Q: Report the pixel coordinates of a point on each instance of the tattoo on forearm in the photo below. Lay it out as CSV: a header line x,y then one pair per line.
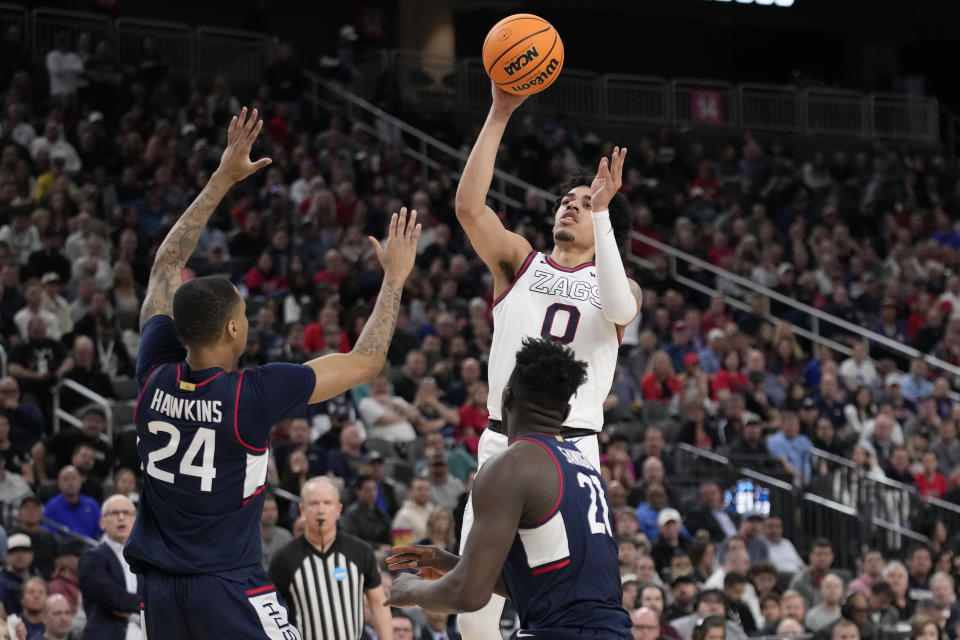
x,y
175,250
375,339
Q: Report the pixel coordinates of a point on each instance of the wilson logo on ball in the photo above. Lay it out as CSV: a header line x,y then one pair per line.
x,y
522,60
540,78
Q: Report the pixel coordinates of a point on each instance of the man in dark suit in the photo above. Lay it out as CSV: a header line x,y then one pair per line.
x,y
711,516
438,627
110,590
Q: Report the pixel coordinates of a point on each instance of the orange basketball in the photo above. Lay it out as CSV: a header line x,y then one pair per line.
x,y
523,54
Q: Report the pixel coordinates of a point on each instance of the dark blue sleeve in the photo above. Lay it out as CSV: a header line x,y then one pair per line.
x,y
159,343
272,393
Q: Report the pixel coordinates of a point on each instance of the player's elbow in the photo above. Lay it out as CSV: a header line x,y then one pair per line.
x,y
466,207
367,366
620,314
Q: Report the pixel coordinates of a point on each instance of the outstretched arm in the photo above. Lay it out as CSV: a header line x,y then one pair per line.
x,y
178,246
501,250
620,297
338,372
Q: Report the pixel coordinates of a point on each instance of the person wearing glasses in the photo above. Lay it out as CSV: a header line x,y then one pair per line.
x,y
111,592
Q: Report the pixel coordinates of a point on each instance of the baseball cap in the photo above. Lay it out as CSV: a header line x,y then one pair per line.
x,y
892,379
19,541
50,276
95,116
348,32
784,267
690,358
374,456
715,333
679,325
667,515
808,403
751,418
685,579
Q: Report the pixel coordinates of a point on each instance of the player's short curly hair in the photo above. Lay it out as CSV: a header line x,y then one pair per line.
x,y
621,213
548,370
202,307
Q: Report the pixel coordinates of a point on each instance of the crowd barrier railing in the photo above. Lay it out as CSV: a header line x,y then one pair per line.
x,y
432,153
636,99
818,319
240,56
60,415
173,40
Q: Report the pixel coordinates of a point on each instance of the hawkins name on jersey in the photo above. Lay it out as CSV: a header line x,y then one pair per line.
x,y
184,409
558,303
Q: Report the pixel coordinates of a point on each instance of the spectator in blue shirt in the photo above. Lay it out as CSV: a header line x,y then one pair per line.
x,y
655,500
713,354
915,385
680,344
791,447
72,509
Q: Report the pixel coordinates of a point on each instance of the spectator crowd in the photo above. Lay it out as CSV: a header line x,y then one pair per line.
x,y
99,156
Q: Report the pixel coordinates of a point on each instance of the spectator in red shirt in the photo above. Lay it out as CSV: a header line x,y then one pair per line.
x,y
719,249
705,180
729,379
931,482
661,383
473,417
262,279
334,270
716,316
326,334
645,227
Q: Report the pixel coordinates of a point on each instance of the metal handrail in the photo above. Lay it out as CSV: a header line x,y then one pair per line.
x,y
146,23
67,531
430,162
888,482
421,135
830,504
762,477
829,457
819,315
94,397
3,361
903,531
286,495
702,453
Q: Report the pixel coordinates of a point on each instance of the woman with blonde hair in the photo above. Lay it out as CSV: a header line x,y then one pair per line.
x,y
440,530
437,415
661,383
125,295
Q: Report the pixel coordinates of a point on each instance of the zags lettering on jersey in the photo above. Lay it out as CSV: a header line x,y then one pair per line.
x,y
553,284
183,409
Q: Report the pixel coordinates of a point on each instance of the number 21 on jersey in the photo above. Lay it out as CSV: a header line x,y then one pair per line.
x,y
202,446
595,485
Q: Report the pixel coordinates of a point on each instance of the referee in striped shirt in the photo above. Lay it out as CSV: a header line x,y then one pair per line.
x,y
323,574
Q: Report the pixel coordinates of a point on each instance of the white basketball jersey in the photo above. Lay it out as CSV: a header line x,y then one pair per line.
x,y
549,301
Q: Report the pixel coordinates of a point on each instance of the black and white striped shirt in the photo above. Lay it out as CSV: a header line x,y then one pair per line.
x,y
324,591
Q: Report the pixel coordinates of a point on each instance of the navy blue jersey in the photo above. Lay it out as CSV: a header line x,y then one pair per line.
x,y
563,571
202,438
